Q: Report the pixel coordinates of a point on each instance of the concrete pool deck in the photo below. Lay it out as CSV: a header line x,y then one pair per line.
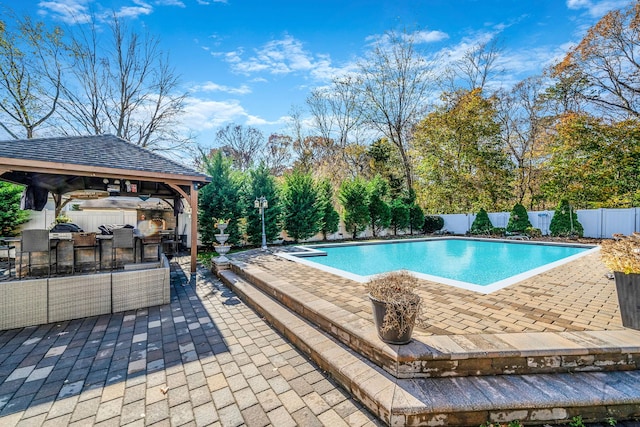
x,y
542,350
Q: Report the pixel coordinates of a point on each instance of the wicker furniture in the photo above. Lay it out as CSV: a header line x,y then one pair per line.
x,y
123,238
35,241
83,242
5,248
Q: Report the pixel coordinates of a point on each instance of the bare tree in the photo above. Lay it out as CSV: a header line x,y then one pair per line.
x,y
395,87
128,89
30,74
277,156
522,113
478,65
606,65
243,144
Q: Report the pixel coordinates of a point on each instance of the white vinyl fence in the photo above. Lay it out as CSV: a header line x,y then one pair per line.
x,y
597,223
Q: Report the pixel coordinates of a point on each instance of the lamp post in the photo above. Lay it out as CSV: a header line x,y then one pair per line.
x,y
261,203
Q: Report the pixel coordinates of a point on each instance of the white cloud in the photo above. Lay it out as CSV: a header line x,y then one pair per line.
x,y
597,8
279,57
68,11
214,87
141,8
178,3
429,36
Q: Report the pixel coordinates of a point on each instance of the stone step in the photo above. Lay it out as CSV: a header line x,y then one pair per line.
x,y
432,356
458,401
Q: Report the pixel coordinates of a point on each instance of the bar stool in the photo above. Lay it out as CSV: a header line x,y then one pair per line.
x,y
83,242
35,241
123,238
7,247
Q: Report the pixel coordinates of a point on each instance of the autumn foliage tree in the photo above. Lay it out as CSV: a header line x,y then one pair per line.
x,y
461,160
606,63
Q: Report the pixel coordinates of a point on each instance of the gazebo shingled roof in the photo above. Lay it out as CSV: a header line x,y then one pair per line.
x,y
65,164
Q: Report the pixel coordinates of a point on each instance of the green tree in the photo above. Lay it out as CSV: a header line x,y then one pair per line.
x,y
261,183
220,199
355,201
301,213
460,155
518,220
385,161
400,219
11,216
416,218
379,212
594,164
329,217
481,224
565,221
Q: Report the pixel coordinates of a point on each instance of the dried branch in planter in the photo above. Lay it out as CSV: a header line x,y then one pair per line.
x,y
622,253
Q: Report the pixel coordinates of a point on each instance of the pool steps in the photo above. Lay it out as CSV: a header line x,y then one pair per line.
x,y
454,380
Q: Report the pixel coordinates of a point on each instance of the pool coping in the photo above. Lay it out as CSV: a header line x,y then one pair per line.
x,y
310,251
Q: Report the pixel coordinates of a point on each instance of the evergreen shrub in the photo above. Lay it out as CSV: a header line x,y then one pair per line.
x,y
433,223
518,220
565,221
481,224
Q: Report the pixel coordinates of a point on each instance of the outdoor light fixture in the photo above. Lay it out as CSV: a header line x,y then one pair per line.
x,y
262,203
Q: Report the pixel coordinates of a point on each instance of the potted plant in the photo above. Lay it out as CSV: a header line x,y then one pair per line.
x,y
395,305
622,255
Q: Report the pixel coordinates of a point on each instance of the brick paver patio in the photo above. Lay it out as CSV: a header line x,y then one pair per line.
x,y
204,359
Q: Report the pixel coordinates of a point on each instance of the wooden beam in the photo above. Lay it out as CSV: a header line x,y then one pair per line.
x,y
194,226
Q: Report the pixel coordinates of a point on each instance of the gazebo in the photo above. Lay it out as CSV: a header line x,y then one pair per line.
x,y
101,163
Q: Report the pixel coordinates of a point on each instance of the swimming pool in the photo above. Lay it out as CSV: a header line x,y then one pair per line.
x,y
482,265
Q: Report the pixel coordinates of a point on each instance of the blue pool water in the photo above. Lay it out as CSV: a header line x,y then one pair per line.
x,y
477,262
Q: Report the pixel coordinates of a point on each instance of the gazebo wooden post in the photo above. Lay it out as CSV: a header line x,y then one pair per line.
x,y
194,225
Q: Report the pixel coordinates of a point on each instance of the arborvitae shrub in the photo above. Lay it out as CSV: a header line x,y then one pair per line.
x,y
565,221
433,223
482,224
518,220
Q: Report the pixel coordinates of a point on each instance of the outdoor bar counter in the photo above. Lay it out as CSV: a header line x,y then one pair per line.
x,y
40,297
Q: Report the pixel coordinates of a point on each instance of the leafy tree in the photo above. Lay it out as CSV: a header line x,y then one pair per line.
x,y
379,212
219,199
384,161
301,213
518,220
565,221
329,217
460,155
261,183
11,216
416,218
594,163
400,219
354,198
481,224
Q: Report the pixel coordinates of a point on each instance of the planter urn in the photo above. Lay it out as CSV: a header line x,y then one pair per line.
x,y
392,335
628,288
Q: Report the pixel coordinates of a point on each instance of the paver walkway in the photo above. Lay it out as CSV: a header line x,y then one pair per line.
x,y
204,359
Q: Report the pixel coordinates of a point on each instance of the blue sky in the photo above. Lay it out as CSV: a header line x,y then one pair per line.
x,y
248,62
